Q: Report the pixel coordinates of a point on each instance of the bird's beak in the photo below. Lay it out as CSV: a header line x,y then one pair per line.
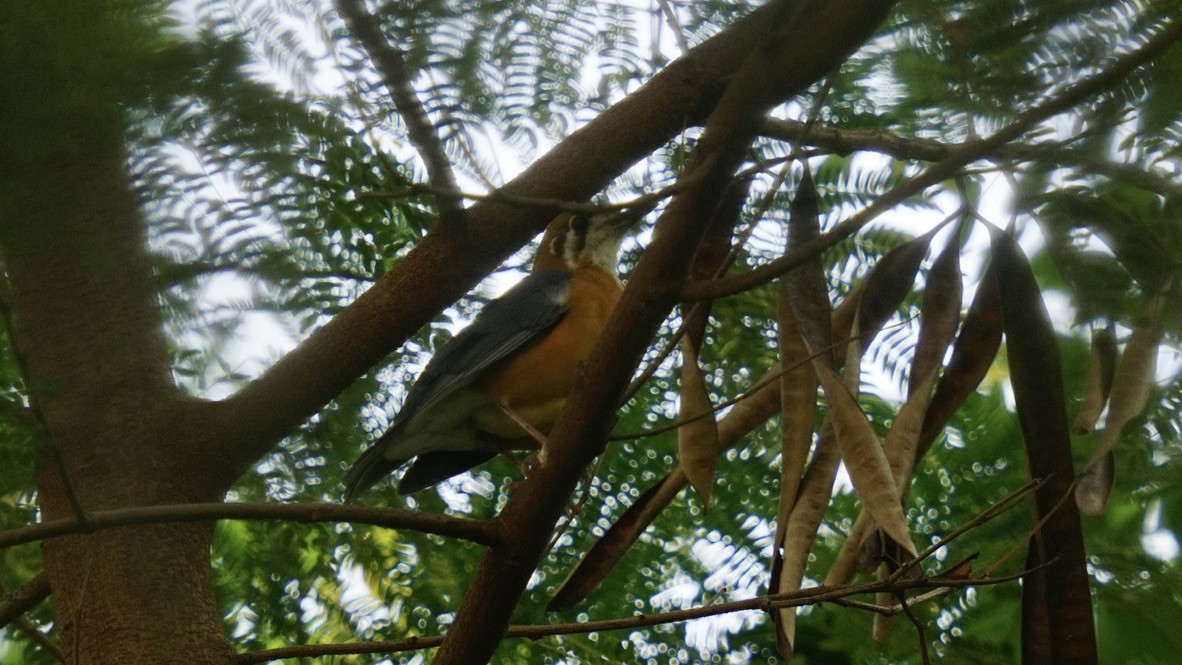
x,y
627,218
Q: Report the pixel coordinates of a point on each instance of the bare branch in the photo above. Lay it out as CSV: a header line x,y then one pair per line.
x,y
41,426
500,196
767,378
981,518
919,629
24,599
1035,529
391,65
938,584
475,531
696,312
843,142
958,157
798,598
180,273
674,25
31,631
80,514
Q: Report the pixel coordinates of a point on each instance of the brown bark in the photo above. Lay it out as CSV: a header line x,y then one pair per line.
x,y
29,595
88,330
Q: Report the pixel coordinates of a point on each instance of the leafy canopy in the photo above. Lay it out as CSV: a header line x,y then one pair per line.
x,y
259,133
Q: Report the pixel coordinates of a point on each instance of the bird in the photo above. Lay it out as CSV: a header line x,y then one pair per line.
x,y
501,382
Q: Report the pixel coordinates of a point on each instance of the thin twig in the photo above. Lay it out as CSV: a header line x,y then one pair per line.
x,y
651,368
30,630
809,596
732,256
391,64
525,425
173,275
863,605
1034,528
983,517
471,530
962,155
84,519
794,154
919,629
353,94
845,141
576,507
581,207
674,25
759,385
461,141
34,403
938,592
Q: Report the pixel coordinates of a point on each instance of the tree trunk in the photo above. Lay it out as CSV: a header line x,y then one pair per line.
x,y
87,328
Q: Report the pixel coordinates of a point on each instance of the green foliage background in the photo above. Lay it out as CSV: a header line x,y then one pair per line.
x,y
254,129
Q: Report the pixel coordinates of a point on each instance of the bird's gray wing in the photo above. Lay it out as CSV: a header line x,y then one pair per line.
x,y
509,323
520,316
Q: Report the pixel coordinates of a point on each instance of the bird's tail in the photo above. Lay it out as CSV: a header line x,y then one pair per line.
x,y
431,468
371,467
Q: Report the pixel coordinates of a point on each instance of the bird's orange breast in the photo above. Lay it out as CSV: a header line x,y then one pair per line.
x,y
536,382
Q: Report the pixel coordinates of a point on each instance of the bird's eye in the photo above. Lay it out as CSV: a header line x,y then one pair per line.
x,y
579,224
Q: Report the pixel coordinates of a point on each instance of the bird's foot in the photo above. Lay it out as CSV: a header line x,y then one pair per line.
x,y
530,431
522,466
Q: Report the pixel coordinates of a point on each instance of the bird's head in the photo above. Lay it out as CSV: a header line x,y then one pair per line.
x,y
575,240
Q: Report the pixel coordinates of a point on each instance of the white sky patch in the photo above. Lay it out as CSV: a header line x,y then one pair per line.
x,y
1158,542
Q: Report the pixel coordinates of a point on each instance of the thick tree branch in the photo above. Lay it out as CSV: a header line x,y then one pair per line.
x,y
24,599
805,41
475,531
945,168
446,264
173,275
843,142
391,65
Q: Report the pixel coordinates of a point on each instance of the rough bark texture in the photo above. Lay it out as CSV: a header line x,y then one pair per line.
x,y
88,329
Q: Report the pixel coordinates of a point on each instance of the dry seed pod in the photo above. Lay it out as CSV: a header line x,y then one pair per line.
x,y
1101,368
697,440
